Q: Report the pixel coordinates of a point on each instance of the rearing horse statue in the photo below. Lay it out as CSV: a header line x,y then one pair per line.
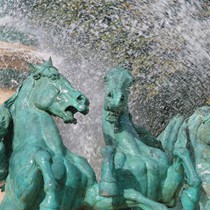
x,y
43,173
135,160
192,132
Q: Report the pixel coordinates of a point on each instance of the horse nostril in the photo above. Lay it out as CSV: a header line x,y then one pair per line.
x,y
80,98
109,95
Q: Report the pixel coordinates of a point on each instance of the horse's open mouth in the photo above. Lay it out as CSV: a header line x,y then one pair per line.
x,y
72,109
112,116
69,114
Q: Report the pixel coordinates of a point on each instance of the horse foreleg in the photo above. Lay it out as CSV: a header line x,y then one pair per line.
x,y
108,185
43,160
173,183
141,201
190,196
130,199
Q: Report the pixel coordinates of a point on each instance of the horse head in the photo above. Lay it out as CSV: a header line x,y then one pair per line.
x,y
53,93
117,83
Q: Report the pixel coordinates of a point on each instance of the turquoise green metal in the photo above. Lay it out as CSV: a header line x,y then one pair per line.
x,y
194,133
138,172
133,159
5,119
41,173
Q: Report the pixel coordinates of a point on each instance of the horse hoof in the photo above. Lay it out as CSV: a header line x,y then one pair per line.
x,y
48,208
58,169
49,204
45,207
163,207
107,189
190,198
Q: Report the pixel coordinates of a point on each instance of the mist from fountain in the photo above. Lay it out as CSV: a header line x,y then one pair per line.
x,y
171,77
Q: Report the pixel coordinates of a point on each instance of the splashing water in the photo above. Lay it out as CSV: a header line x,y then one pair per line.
x,y
85,138
171,67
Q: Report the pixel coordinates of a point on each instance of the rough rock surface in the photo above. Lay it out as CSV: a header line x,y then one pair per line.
x,y
165,43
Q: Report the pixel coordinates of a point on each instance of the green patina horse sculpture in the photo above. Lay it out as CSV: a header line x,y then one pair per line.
x,y
41,173
194,133
133,159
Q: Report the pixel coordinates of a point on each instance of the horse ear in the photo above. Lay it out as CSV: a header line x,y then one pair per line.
x,y
50,61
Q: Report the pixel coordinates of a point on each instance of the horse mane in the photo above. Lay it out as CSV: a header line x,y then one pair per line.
x,y
6,152
9,102
6,141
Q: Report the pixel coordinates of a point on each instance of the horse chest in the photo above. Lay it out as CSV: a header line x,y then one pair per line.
x,y
124,141
142,166
139,173
144,171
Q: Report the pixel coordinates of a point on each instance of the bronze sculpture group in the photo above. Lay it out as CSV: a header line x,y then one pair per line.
x,y
139,172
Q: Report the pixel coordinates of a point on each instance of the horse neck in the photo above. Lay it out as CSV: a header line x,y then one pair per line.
x,y
30,122
22,105
23,93
122,134
123,123
123,116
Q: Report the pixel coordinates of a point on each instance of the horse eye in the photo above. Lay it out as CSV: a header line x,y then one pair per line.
x,y
54,76
37,76
109,94
105,79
